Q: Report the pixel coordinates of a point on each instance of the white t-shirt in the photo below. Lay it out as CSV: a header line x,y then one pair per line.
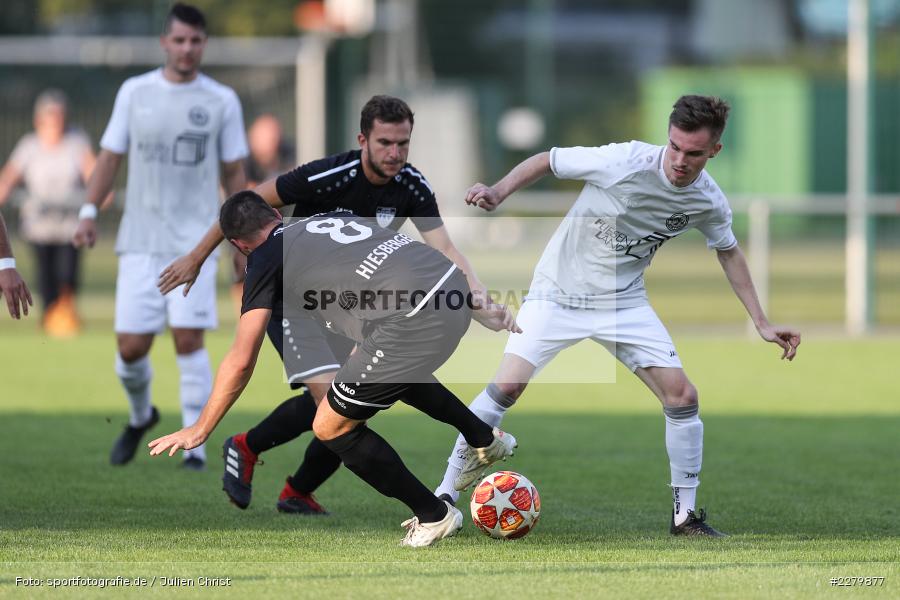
x,y
53,178
625,212
175,134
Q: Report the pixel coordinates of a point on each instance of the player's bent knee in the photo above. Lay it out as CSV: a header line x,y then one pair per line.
x,y
131,349
510,389
685,395
328,424
187,341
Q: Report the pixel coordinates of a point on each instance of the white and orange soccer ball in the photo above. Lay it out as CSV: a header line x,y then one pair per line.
x,y
505,505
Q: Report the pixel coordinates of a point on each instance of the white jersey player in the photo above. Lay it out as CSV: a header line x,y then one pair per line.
x,y
184,134
589,282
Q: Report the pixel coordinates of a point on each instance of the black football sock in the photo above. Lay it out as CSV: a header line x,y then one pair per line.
x,y
373,460
319,463
291,418
441,404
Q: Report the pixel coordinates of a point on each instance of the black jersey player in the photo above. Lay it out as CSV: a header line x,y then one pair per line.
x,y
405,305
373,181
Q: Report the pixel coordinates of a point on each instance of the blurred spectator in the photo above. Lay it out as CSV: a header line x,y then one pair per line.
x,y
52,164
270,155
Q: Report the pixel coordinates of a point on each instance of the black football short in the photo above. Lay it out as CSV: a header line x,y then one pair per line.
x,y
398,352
306,347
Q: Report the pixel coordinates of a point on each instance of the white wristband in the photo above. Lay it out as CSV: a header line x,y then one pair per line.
x,y
88,211
7,263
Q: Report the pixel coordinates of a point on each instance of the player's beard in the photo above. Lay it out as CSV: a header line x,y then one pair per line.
x,y
375,168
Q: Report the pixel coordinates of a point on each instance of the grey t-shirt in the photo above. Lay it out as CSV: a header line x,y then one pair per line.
x,y
54,185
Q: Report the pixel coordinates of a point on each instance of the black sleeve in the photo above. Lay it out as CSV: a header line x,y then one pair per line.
x,y
262,287
425,214
295,187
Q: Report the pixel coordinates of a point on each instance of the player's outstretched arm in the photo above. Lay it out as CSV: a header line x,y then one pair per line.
x,y
185,269
12,286
231,379
738,273
99,187
439,239
522,175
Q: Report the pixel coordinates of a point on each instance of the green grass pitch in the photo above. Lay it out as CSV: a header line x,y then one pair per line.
x,y
801,467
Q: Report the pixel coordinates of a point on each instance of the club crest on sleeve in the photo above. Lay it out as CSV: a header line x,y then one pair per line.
x,y
677,222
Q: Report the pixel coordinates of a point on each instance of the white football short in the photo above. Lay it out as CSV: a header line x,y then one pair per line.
x,y
635,336
141,308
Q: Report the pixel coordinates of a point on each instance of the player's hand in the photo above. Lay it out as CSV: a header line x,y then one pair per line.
x,y
483,196
187,438
497,317
480,297
785,337
183,269
17,295
85,234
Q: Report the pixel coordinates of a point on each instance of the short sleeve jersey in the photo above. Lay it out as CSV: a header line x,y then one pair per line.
x,y
54,183
346,271
626,211
337,183
175,136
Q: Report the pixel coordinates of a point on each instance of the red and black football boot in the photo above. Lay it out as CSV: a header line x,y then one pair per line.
x,y
294,502
239,464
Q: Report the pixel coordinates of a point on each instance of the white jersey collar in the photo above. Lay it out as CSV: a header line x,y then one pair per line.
x,y
181,86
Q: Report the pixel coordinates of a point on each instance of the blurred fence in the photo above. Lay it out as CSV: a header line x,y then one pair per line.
x,y
805,273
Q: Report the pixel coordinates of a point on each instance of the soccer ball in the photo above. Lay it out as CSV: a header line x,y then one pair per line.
x,y
505,505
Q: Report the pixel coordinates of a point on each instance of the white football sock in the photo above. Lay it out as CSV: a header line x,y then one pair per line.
x,y
195,385
489,406
135,377
684,443
685,499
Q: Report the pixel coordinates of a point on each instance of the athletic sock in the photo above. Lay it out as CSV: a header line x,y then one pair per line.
x,y
195,387
489,406
135,377
289,419
685,499
441,404
319,463
373,460
684,443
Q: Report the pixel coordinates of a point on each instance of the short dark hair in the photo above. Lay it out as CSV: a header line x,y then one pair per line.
x,y
243,214
386,109
187,14
692,113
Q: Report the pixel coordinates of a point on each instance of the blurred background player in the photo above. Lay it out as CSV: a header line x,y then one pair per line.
x,y
52,163
270,155
400,343
183,133
589,282
12,286
374,181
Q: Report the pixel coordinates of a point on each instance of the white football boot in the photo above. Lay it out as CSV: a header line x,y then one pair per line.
x,y
479,459
425,534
